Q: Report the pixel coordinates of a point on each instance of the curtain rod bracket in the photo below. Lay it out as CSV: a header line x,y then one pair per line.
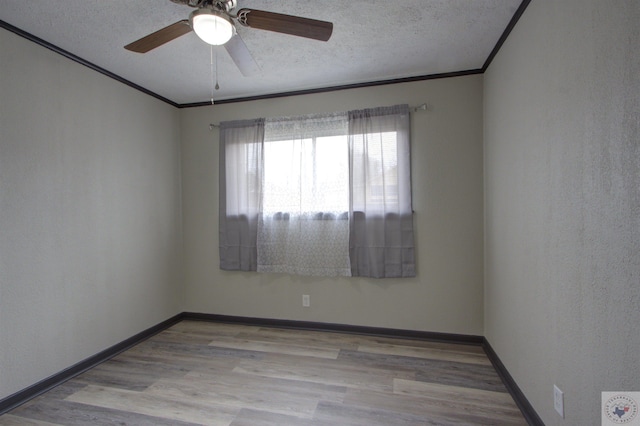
x,y
422,107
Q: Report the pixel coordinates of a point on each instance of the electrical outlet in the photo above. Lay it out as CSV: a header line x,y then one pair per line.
x,y
558,400
306,301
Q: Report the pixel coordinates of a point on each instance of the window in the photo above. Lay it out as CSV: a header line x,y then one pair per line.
x,y
306,168
318,195
320,165
381,152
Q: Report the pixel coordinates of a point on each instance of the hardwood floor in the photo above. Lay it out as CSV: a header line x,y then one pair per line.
x,y
203,373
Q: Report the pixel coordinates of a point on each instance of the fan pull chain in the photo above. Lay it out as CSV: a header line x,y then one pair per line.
x,y
216,86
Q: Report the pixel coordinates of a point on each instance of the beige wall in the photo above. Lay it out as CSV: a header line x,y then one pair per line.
x,y
446,296
91,221
90,225
562,179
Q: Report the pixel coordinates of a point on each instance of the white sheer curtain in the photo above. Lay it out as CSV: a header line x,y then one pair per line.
x,y
381,229
240,197
303,227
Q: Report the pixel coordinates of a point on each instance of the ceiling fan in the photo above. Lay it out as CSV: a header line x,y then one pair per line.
x,y
213,22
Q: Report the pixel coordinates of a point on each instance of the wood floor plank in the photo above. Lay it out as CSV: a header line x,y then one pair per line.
x,y
280,348
126,373
252,417
11,420
332,414
191,411
475,397
287,397
183,361
266,385
427,344
430,370
195,351
199,332
236,397
312,338
211,328
170,336
456,411
429,353
75,414
328,372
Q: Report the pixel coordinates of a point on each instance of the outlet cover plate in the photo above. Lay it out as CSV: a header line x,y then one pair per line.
x,y
558,400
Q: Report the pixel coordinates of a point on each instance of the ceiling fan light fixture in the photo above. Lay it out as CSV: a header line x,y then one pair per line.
x,y
211,26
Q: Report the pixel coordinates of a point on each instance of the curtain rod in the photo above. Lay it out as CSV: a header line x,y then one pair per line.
x,y
421,107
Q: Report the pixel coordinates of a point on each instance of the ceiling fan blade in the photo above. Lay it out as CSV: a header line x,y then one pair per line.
x,y
241,56
160,37
286,24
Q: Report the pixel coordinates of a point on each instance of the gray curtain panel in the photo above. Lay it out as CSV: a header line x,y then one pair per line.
x,y
240,175
381,243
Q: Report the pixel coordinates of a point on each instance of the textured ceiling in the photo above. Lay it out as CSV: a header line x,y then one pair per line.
x,y
373,40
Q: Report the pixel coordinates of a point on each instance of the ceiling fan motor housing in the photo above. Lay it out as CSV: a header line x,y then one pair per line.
x,y
191,3
224,5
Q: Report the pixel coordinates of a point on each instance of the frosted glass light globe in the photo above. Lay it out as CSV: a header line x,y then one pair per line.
x,y
211,26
